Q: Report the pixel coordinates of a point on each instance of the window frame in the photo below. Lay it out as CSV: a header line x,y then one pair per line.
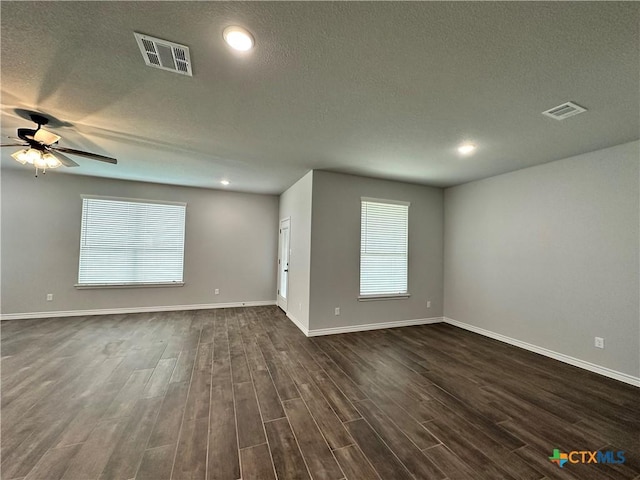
x,y
89,286
382,296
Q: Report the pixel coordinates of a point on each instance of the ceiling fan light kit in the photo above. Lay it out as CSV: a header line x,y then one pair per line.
x,y
36,158
41,161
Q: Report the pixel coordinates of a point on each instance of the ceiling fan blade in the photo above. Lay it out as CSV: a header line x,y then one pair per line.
x,y
93,156
14,145
64,160
45,137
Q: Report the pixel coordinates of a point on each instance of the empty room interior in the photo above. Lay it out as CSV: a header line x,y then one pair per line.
x,y
320,240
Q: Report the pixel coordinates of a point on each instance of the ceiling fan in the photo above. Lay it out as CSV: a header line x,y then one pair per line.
x,y
42,149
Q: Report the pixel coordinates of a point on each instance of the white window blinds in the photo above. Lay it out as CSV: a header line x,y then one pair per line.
x,y
383,247
131,242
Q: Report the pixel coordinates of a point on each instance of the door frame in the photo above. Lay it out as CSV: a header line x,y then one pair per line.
x,y
282,301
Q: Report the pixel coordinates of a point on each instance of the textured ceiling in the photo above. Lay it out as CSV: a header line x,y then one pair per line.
x,y
378,89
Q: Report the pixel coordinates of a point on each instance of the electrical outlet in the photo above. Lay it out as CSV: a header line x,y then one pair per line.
x,y
599,342
428,303
217,291
337,311
49,297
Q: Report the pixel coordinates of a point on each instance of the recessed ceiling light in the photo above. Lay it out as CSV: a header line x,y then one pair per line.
x,y
224,182
466,148
238,38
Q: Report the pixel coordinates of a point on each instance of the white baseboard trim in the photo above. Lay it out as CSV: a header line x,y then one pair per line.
x,y
372,326
116,311
298,324
576,362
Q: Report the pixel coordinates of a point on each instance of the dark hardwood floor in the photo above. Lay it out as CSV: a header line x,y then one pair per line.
x,y
241,393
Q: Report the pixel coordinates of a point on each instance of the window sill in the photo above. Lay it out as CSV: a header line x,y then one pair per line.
x,y
85,286
395,296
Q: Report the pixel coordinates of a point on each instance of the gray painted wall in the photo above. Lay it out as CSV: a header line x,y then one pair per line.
x,y
549,255
230,244
335,251
295,203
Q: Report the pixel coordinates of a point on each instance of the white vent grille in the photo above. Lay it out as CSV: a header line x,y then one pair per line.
x,y
165,55
566,110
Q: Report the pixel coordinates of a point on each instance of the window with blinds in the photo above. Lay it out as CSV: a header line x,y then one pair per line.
x,y
384,247
131,242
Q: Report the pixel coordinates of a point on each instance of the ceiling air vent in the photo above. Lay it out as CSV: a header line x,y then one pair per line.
x,y
165,55
566,110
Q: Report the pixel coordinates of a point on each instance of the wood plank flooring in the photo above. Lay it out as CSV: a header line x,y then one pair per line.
x,y
241,393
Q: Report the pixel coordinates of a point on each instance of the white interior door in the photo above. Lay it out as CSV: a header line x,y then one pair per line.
x,y
284,250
